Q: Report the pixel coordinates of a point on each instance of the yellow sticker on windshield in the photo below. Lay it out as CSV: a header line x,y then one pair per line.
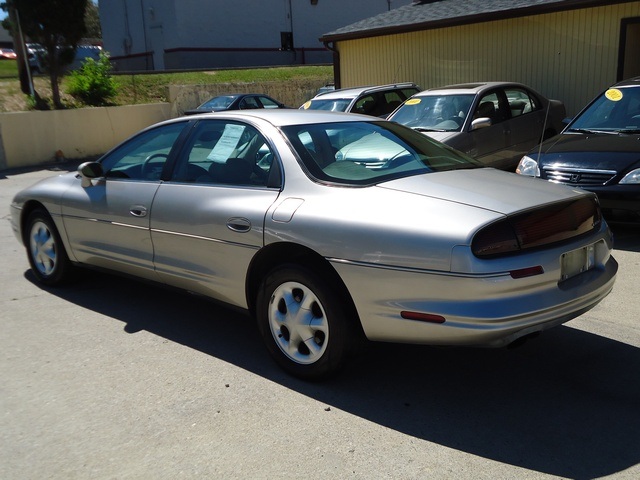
x,y
613,94
412,101
306,105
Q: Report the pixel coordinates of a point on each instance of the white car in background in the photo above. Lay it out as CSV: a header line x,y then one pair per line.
x,y
37,57
377,101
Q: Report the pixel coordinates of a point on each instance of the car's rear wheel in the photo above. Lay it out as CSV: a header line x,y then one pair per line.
x,y
304,322
47,256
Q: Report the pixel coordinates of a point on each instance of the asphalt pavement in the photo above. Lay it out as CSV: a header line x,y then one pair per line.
x,y
111,378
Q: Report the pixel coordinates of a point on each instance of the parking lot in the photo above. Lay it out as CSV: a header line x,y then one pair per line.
x,y
112,378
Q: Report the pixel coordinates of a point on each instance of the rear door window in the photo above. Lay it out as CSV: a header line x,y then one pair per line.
x,y
224,152
521,101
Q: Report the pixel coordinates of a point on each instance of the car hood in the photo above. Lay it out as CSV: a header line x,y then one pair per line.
x,y
599,151
486,188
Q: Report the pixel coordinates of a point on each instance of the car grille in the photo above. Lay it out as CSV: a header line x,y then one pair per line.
x,y
576,176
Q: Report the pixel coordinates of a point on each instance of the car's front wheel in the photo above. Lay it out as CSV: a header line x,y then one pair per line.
x,y
47,256
305,322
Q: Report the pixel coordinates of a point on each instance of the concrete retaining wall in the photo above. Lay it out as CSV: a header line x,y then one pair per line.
x,y
30,139
293,93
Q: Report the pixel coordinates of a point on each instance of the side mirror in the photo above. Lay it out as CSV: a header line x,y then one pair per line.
x,y
88,171
482,122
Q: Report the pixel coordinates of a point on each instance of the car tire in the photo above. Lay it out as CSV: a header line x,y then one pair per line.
x,y
305,322
47,255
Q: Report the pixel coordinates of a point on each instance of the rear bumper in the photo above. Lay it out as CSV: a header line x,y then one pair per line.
x,y
478,310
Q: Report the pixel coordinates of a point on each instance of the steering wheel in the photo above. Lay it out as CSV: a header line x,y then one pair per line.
x,y
145,170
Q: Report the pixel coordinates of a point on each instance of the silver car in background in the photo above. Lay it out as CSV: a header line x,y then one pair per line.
x,y
494,122
328,228
377,101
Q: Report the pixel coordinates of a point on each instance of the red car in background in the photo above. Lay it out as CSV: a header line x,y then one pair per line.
x,y
7,54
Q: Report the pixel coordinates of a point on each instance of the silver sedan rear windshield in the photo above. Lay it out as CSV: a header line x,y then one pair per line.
x,y
331,105
366,153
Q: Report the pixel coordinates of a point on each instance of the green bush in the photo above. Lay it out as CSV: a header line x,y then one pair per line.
x,y
92,83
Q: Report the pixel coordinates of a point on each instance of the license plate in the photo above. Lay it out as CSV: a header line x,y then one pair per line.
x,y
577,261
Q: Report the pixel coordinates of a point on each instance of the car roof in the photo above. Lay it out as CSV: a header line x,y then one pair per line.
x,y
629,82
354,92
282,117
239,95
230,95
469,88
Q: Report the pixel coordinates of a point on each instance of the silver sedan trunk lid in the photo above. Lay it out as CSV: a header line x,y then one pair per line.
x,y
495,190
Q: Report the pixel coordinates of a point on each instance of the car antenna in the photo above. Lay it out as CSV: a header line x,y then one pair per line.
x,y
395,77
544,128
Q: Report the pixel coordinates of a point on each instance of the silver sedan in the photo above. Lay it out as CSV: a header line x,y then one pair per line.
x,y
328,228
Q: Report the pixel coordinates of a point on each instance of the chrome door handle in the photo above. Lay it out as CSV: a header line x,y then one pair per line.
x,y
239,224
138,210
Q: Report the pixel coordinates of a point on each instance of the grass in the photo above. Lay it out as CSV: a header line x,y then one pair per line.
x,y
152,87
8,69
146,88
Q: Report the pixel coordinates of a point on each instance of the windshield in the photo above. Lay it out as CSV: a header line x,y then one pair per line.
x,y
444,113
333,104
616,110
366,153
218,102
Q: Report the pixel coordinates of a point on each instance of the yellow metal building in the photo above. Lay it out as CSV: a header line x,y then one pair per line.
x,y
568,50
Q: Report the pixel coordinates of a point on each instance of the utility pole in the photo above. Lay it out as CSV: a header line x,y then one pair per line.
x,y
22,56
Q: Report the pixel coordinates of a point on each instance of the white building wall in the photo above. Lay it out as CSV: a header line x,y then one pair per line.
x,y
176,34
231,24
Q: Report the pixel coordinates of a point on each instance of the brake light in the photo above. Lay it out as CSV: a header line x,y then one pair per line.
x,y
541,227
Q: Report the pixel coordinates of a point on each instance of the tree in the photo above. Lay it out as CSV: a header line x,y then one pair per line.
x,y
57,25
92,21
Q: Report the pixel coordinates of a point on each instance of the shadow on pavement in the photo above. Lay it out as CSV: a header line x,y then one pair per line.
x,y
565,404
626,238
